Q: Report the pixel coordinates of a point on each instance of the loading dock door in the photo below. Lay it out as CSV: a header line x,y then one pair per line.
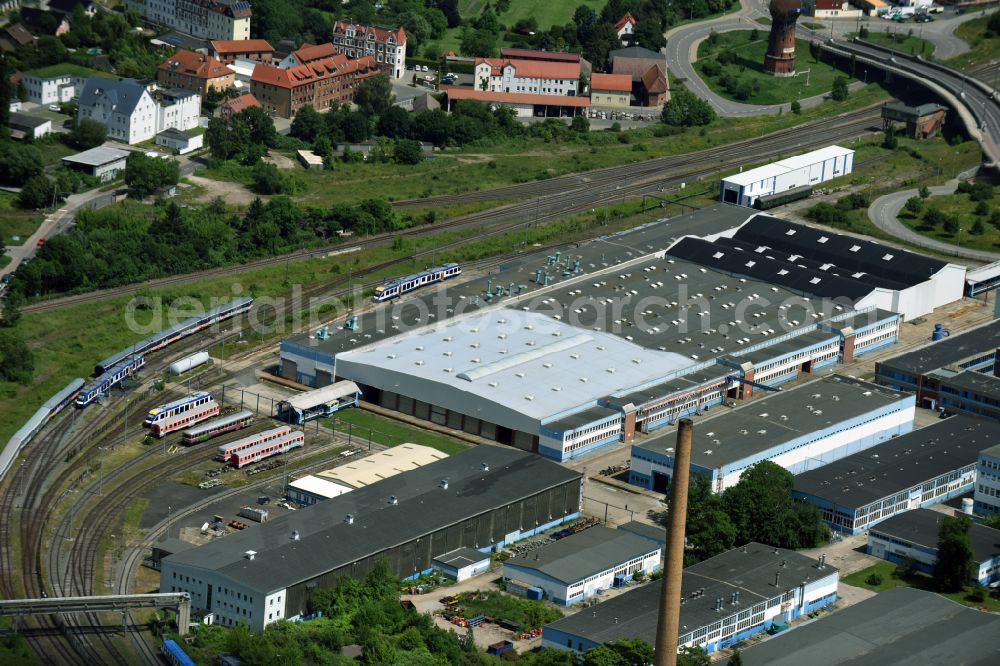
x,y
289,369
661,482
730,196
323,378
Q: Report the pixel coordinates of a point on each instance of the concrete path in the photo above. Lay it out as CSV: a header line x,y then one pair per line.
x,y
884,214
683,41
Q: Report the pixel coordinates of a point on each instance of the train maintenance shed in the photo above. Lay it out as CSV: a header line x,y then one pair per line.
x,y
478,498
319,403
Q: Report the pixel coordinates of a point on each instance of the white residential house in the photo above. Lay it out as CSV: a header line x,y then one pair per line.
x,y
527,76
131,114
205,19
55,84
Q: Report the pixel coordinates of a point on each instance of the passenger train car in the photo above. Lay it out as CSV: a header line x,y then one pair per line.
x,y
177,331
216,427
398,286
175,655
177,407
52,406
185,419
101,384
226,451
275,447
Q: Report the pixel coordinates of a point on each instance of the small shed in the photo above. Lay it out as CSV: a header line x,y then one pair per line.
x,y
318,403
25,125
311,489
102,162
462,563
182,142
309,159
922,122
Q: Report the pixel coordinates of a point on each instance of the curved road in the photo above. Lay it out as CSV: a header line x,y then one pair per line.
x,y
884,214
682,47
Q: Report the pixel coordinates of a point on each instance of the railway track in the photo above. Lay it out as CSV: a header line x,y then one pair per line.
x,y
558,197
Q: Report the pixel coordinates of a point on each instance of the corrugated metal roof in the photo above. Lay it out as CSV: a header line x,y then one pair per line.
x,y
587,553
323,395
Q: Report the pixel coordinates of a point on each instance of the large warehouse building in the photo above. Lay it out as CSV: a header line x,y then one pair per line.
x,y
916,470
801,429
725,599
801,171
923,370
511,357
914,535
478,498
897,627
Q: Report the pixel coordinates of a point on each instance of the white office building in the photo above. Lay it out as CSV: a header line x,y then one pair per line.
x,y
130,112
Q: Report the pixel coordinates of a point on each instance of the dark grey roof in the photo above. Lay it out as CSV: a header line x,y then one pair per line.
x,y
980,383
789,346
462,557
691,380
651,532
636,52
327,542
921,527
951,350
876,260
574,558
749,570
124,94
737,260
900,463
766,424
173,545
915,111
898,627
584,417
25,121
176,134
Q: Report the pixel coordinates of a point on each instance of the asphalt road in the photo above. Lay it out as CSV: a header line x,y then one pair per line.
x,y
682,47
884,214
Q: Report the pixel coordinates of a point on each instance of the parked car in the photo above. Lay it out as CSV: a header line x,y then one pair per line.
x,y
423,68
41,241
55,107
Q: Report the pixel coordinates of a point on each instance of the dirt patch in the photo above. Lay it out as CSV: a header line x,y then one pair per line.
x,y
231,193
280,161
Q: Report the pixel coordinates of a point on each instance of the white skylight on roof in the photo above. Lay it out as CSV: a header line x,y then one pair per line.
x,y
790,232
718,255
782,272
855,248
815,280
887,257
826,267
751,264
822,239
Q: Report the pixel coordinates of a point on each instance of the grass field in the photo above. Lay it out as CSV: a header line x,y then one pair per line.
x,y
389,432
982,49
495,604
15,221
546,14
962,209
887,572
901,40
748,66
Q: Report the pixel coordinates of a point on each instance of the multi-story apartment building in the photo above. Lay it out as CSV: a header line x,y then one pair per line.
x,y
387,46
205,19
57,83
196,72
308,53
130,112
527,76
320,84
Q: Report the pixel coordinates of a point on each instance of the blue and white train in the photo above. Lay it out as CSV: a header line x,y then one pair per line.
x,y
176,332
51,407
171,409
101,384
398,286
175,654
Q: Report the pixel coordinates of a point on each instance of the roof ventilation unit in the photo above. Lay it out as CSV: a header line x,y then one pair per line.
x,y
486,467
250,554
295,535
349,519
444,484
393,500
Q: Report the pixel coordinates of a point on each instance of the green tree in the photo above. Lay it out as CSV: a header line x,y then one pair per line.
x,y
934,217
580,123
374,96
762,509
709,529
38,192
407,151
796,107
17,361
992,521
267,179
889,141
840,91
478,43
982,209
394,123
144,174
953,567
977,229
693,656
924,192
603,655
736,659
87,134
914,205
11,309
308,124
685,109
7,93
951,225
633,651
19,162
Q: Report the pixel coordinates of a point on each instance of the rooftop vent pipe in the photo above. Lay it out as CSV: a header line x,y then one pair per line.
x,y
349,519
250,554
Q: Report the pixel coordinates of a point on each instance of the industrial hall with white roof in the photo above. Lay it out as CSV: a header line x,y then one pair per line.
x,y
563,354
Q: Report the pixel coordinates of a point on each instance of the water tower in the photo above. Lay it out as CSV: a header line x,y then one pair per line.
x,y
780,57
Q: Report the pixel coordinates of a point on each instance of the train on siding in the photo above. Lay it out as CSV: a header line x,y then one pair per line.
x,y
216,427
52,406
176,332
175,655
275,447
111,377
225,451
171,409
398,286
184,419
